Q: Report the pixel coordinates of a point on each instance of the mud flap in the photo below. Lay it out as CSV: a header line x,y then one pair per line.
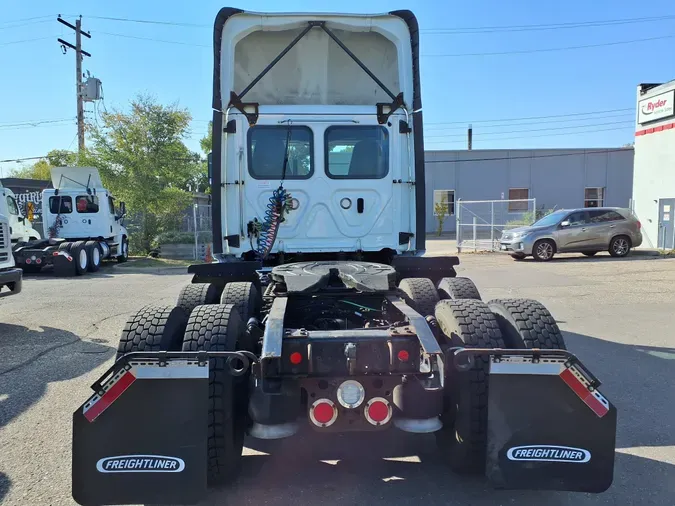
x,y
142,437
548,426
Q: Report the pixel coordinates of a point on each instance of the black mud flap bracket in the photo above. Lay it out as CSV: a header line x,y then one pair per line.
x,y
549,428
142,437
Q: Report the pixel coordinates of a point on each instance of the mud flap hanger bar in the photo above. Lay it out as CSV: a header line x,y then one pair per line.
x,y
237,361
462,358
251,109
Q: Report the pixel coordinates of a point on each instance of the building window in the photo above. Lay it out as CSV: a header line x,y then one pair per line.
x,y
86,204
518,194
594,197
356,152
445,198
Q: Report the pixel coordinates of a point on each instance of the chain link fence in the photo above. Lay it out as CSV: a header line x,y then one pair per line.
x,y
480,222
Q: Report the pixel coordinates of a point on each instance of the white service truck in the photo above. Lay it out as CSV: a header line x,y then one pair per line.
x,y
20,228
83,225
10,276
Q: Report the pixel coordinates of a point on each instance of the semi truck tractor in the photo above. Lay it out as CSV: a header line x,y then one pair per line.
x,y
83,225
10,276
21,229
321,311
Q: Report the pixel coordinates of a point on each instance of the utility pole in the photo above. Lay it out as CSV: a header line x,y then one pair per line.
x,y
469,134
79,53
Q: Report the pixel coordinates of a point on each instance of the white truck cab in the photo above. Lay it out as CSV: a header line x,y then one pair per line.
x,y
10,277
80,208
321,115
21,229
83,225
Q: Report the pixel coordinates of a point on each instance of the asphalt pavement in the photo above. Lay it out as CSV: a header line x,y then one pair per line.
x,y
59,335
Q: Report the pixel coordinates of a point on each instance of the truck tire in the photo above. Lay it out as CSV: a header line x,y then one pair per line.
x,y
80,257
463,438
245,297
94,253
526,323
65,246
153,328
457,288
197,294
218,327
420,294
124,251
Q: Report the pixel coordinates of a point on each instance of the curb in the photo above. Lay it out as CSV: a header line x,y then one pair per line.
x,y
151,270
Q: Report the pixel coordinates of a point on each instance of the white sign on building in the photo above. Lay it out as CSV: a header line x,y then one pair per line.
x,y
656,107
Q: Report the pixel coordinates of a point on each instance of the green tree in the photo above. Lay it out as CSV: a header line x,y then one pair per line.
x,y
206,142
144,161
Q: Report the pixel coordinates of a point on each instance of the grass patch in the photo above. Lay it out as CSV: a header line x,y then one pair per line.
x,y
156,262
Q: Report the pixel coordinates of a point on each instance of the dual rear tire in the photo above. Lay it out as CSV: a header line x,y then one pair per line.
x,y
510,323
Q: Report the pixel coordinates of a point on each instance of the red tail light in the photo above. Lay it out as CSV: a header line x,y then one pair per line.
x,y
323,413
403,355
27,261
295,358
378,411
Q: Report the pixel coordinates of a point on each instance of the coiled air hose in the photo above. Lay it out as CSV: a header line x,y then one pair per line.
x,y
279,204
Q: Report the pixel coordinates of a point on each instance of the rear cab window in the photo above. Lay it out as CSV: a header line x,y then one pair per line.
x,y
268,146
60,205
356,152
86,204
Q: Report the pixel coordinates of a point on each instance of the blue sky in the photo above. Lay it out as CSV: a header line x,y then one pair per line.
x,y
575,85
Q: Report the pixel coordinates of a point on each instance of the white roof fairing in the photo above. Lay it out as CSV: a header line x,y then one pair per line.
x,y
316,70
76,178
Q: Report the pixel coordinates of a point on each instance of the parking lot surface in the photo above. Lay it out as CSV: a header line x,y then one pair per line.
x,y
59,335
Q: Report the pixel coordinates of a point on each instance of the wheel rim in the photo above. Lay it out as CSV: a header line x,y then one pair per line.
x,y
545,250
621,246
83,259
96,256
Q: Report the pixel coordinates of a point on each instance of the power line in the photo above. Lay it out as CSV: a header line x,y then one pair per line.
x,y
152,39
8,27
551,49
532,130
27,19
532,117
35,122
544,135
553,155
436,128
13,160
151,22
25,40
545,26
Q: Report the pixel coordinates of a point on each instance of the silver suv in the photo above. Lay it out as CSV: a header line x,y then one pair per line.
x,y
586,230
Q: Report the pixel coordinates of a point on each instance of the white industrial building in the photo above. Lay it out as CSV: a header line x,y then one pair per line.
x,y
556,178
654,174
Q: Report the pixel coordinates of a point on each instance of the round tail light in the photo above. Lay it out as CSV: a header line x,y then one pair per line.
x,y
28,261
323,413
378,411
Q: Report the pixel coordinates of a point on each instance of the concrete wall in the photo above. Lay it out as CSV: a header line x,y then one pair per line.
x,y
557,178
654,176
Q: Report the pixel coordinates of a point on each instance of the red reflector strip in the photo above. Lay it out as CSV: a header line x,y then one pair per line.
x,y
594,402
110,396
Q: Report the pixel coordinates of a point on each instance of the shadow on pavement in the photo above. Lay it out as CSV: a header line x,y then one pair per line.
x,y
394,467
31,359
600,257
5,484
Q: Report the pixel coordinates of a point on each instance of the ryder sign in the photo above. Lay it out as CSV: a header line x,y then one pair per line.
x,y
657,107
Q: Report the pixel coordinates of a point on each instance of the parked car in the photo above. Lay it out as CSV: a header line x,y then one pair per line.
x,y
585,230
